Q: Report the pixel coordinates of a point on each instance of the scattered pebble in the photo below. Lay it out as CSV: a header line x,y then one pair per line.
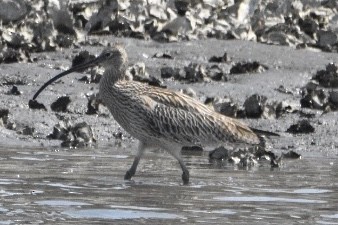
x,y
61,104
242,157
34,104
14,91
82,57
248,67
93,104
301,127
225,106
291,155
327,77
219,59
74,136
254,106
3,116
312,97
163,56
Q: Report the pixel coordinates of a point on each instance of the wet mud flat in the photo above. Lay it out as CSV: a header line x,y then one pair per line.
x,y
42,182
58,186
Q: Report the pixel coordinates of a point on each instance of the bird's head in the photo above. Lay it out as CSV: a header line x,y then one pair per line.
x,y
114,57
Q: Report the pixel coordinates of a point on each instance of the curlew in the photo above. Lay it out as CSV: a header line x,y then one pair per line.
x,y
159,118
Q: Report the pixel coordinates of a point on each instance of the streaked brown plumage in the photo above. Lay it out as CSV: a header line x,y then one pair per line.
x,y
159,117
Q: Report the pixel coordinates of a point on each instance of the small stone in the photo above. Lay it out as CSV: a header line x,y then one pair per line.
x,y
60,132
34,104
27,130
189,91
327,38
182,6
168,72
61,104
14,91
93,105
216,73
4,116
226,107
219,59
195,72
302,127
291,155
219,153
81,58
333,98
313,98
248,67
84,131
162,56
327,77
12,10
254,106
138,71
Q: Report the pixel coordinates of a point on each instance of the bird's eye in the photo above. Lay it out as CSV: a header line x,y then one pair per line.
x,y
108,54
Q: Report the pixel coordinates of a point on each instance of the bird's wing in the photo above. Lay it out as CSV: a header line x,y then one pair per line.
x,y
186,120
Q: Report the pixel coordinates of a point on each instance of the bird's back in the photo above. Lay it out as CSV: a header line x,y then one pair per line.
x,y
158,115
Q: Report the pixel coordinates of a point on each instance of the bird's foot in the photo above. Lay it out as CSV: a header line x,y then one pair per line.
x,y
185,178
128,175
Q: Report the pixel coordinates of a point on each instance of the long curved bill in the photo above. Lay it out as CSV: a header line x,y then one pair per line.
x,y
86,65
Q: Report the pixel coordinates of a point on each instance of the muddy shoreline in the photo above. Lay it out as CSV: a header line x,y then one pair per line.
x,y
287,67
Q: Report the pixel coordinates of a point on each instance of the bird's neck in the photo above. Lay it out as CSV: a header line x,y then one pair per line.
x,y
112,75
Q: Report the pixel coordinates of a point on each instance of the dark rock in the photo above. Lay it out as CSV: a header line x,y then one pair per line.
x,y
291,155
73,136
182,6
93,105
284,107
94,77
64,40
14,91
26,130
302,127
216,73
153,81
11,55
283,90
60,132
4,116
219,59
195,72
84,131
333,98
219,153
19,128
34,104
248,67
226,107
162,56
313,98
327,38
12,10
81,58
61,104
168,72
254,106
328,77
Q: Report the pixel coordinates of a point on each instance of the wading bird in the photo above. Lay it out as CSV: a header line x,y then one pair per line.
x,y
157,117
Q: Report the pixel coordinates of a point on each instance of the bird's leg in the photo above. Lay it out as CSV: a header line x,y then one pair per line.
x,y
185,174
132,170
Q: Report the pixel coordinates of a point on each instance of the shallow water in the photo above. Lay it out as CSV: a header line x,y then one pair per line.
x,y
86,186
